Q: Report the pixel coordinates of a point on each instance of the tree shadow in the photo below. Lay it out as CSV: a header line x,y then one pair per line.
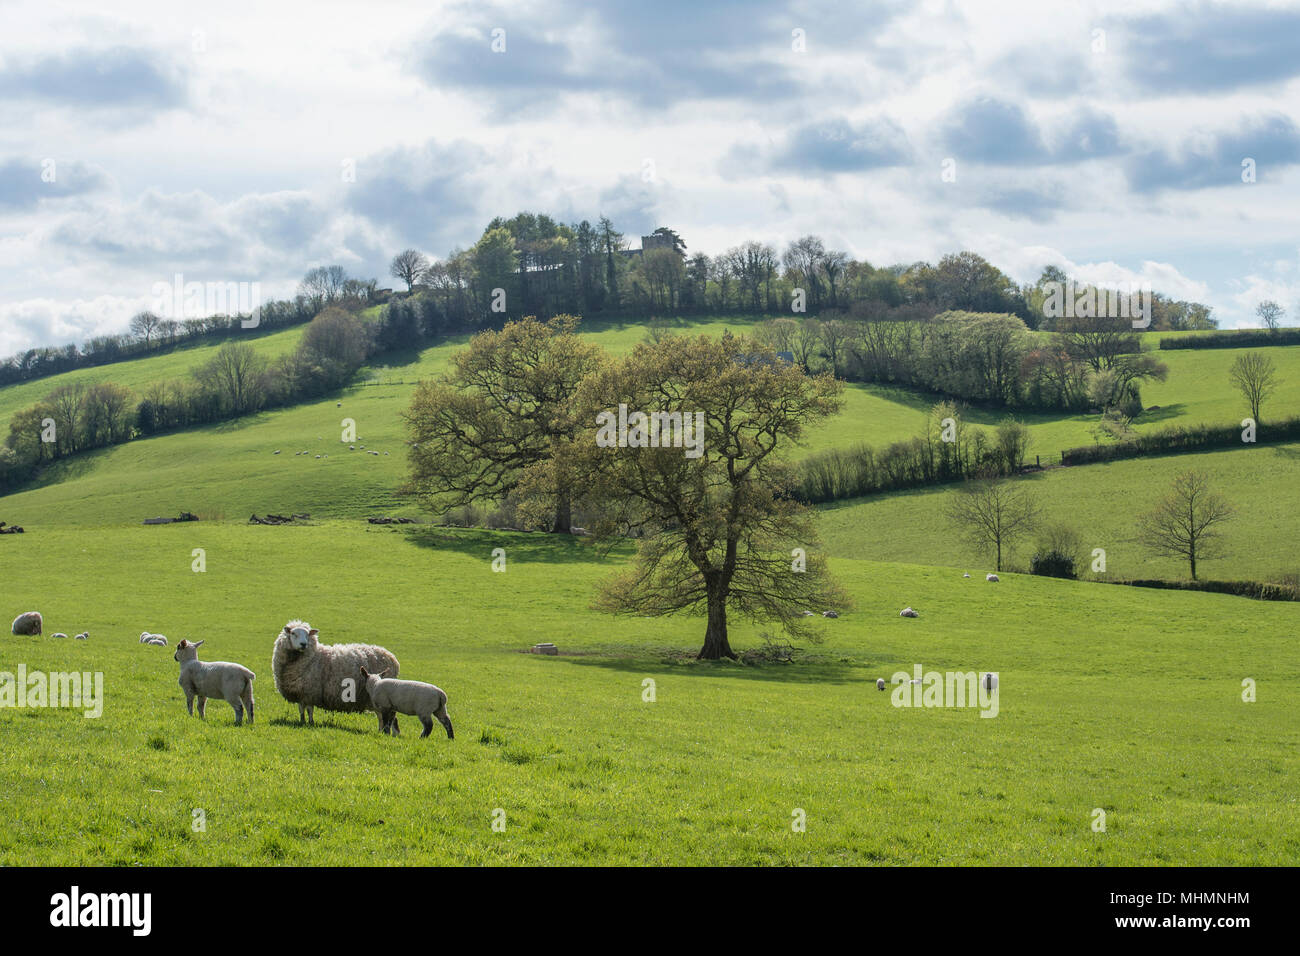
x,y
1162,414
530,546
818,669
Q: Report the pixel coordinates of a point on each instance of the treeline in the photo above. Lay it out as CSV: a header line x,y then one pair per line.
x,y
77,417
1180,438
532,264
1235,339
1089,362
948,451
150,332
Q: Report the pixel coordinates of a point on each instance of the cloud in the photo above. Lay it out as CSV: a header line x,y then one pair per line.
x,y
1271,141
89,78
25,183
655,55
993,131
834,145
1211,48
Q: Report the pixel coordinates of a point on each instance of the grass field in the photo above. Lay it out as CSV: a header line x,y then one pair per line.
x,y
1116,698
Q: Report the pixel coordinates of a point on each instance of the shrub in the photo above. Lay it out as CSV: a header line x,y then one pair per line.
x,y
1052,564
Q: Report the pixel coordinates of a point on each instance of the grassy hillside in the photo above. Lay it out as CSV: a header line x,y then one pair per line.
x,y
1102,502
1110,698
231,470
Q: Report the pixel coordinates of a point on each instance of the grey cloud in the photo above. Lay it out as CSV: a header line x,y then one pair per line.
x,y
1271,141
89,78
24,183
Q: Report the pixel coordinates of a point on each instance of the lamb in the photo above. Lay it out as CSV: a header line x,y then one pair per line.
x,y
60,634
233,683
311,674
390,697
83,636
991,577
908,612
28,624
156,639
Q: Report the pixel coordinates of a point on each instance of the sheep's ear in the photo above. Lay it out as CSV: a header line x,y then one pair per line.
x,y
313,632
286,629
364,673
199,643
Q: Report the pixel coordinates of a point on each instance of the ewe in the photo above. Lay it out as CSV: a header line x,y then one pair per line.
x,y
311,674
991,577
390,697
28,624
233,683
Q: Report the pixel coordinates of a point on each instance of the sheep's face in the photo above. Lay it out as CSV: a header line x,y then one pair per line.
x,y
301,638
187,651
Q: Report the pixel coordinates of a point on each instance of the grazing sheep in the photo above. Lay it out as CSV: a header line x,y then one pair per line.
x,y
908,612
390,697
60,634
829,614
28,624
880,683
83,636
808,614
966,575
991,577
311,674
157,640
989,681
233,683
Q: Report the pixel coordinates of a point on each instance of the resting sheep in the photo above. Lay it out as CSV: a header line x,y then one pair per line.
x,y
28,624
60,634
233,683
311,674
991,577
390,697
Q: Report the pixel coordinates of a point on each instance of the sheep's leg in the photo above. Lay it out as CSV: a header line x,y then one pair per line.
x,y
203,703
302,713
427,722
392,723
189,702
239,711
444,719
383,726
248,701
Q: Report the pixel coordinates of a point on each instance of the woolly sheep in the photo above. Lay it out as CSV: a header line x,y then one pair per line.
x,y
83,636
157,640
989,681
311,674
991,577
829,614
60,634
880,683
233,683
28,624
390,697
908,612
966,575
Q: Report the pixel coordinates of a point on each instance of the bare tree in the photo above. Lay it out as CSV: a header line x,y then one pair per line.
x,y
237,374
145,325
408,265
1270,314
1255,377
1186,523
992,514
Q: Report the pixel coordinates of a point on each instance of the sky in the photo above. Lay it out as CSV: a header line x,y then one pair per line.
x,y
249,142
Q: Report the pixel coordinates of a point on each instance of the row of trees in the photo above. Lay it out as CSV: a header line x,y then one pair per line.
x,y
533,265
1089,362
237,380
148,331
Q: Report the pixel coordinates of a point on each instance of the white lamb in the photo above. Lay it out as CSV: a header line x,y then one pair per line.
x,y
233,683
991,577
390,697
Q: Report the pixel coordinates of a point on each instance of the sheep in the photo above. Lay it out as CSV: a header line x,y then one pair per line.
x,y
390,697
83,636
991,577
147,638
989,681
60,634
908,612
28,624
311,674
233,683
829,614
966,575
880,683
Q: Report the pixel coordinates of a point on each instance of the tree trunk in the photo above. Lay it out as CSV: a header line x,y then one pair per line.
x,y
1192,558
563,514
716,646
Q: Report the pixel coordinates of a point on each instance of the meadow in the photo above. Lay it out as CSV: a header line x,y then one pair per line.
x,y
1115,698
